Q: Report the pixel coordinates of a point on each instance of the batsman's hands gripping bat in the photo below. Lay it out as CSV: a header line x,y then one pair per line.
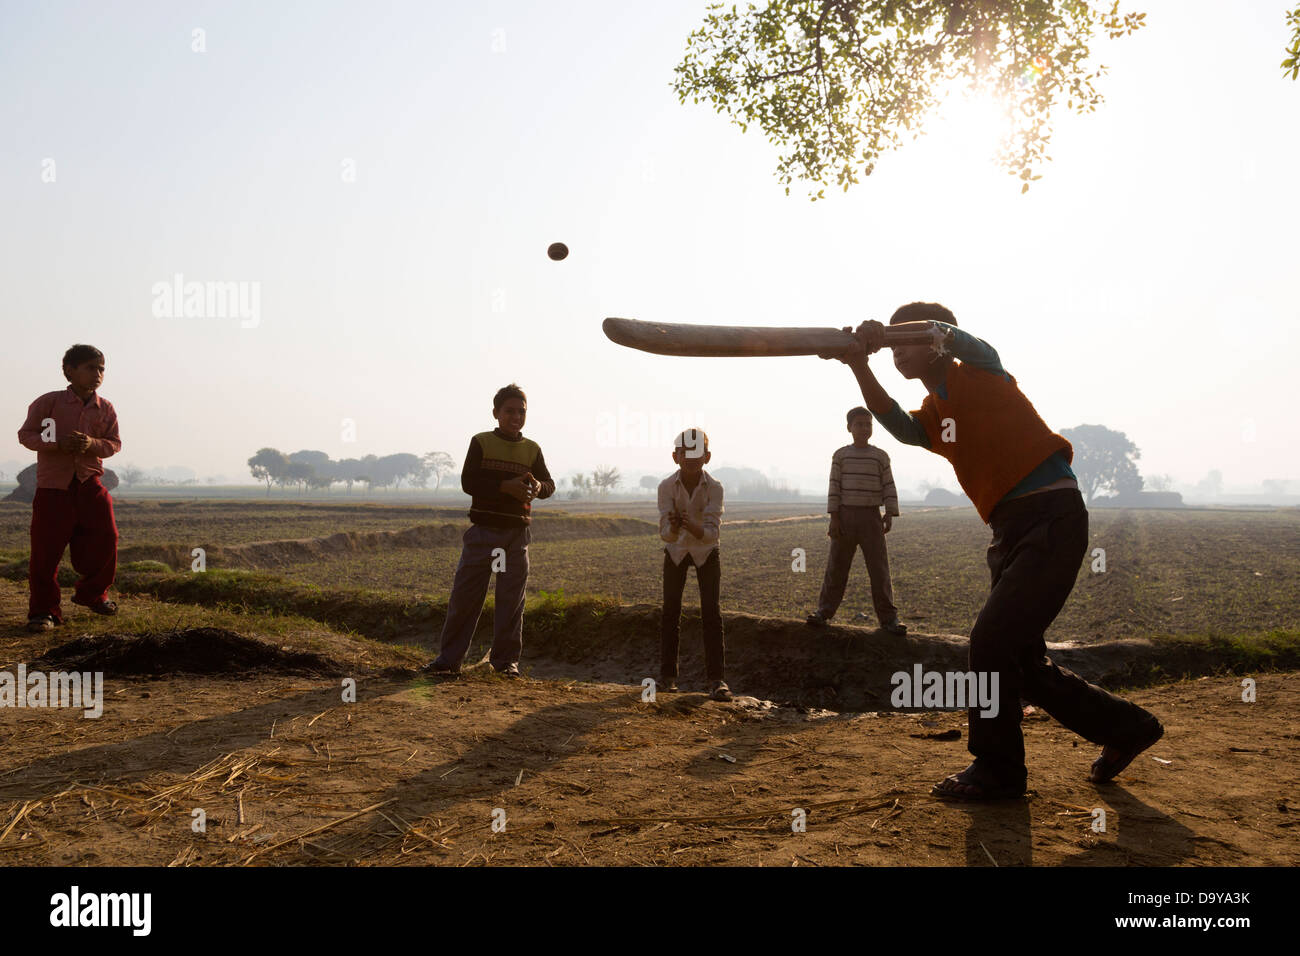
x,y
854,352
872,336
667,338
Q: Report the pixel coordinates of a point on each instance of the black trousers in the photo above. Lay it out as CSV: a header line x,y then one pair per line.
x,y
1039,542
709,576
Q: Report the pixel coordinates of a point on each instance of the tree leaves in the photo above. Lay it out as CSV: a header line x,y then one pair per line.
x,y
1292,63
833,84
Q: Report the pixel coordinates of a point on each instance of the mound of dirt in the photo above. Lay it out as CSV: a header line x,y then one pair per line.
x,y
290,551
26,491
546,528
841,668
195,650
271,554
17,571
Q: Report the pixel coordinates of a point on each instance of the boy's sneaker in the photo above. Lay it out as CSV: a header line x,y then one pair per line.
x,y
720,691
510,670
893,627
816,619
666,685
40,624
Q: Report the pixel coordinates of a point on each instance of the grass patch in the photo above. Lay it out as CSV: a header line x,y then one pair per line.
x,y
380,616
1276,650
138,566
146,615
367,613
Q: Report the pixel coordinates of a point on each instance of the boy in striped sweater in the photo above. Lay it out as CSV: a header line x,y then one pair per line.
x,y
860,483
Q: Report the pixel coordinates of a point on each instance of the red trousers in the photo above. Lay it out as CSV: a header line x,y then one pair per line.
x,y
81,516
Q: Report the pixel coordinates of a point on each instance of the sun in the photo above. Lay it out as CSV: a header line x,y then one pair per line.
x,y
971,125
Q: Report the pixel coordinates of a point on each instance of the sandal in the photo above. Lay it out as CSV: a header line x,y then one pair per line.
x,y
41,623
976,784
105,606
1114,759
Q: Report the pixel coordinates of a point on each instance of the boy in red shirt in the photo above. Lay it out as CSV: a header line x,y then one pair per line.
x,y
1017,473
72,431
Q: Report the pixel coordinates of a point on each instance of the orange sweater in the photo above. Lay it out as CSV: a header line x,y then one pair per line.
x,y
994,436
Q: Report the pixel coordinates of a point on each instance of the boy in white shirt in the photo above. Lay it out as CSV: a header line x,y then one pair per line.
x,y
690,516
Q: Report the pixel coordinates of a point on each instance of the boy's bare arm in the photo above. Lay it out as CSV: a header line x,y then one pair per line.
x,y
855,357
877,399
898,423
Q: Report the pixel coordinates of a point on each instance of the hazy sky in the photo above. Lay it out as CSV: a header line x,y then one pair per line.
x,y
1148,282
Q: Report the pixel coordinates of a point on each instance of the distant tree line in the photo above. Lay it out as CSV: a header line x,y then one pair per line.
x,y
601,481
740,483
317,471
131,475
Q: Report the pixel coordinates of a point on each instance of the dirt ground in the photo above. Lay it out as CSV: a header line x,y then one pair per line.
x,y
286,773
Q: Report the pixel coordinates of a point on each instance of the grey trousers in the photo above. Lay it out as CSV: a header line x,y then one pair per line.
x,y
469,590
859,528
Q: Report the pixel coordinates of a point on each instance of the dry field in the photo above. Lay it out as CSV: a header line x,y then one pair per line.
x,y
1175,572
227,699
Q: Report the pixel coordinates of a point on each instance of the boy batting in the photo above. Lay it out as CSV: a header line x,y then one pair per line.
x,y
1016,471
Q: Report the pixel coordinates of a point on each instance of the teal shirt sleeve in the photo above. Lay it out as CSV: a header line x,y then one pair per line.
x,y
904,427
974,352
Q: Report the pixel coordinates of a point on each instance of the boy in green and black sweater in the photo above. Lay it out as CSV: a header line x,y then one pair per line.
x,y
503,473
